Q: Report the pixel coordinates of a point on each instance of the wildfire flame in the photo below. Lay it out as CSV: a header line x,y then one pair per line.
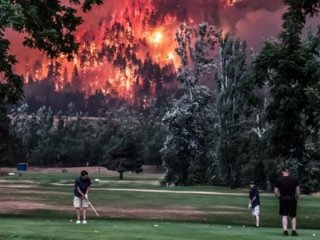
x,y
157,38
118,55
231,3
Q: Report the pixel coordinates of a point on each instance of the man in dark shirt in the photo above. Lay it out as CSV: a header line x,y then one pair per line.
x,y
254,203
80,201
287,190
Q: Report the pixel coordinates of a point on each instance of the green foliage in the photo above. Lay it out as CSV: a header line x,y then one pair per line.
x,y
256,121
152,136
10,83
75,140
9,143
289,67
186,151
190,121
122,153
232,143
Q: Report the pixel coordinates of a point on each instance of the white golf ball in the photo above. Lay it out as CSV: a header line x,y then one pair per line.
x,y
156,225
229,226
95,231
314,234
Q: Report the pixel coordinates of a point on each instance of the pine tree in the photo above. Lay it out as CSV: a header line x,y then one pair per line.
x,y
75,80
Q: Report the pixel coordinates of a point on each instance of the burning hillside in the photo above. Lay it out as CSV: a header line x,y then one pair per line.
x,y
129,55
129,52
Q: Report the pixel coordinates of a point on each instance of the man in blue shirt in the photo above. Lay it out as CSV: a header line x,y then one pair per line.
x,y
81,190
254,203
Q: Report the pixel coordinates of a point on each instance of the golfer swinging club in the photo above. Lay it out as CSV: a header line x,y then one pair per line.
x,y
80,201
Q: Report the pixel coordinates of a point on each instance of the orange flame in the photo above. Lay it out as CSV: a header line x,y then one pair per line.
x,y
112,54
231,3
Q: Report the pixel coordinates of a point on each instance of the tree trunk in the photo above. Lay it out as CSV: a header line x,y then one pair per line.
x,y
121,175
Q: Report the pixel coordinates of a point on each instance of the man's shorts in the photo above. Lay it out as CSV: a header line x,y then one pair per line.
x,y
288,208
80,202
255,211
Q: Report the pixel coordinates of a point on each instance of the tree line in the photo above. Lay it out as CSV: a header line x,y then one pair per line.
x,y
262,115
121,141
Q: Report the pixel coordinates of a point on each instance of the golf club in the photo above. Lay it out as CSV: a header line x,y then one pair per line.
x,y
95,211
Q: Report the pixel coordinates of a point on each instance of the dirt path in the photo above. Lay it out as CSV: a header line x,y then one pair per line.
x,y
7,207
11,205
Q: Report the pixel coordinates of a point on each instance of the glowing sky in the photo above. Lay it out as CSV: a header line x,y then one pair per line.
x,y
251,20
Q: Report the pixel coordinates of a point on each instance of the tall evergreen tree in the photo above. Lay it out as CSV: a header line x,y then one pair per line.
x,y
231,108
75,80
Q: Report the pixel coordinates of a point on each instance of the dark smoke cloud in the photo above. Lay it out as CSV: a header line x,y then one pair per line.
x,y
251,20
198,9
241,10
214,11
258,26
270,5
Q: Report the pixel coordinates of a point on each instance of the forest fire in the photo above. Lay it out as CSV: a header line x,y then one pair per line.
x,y
232,2
130,54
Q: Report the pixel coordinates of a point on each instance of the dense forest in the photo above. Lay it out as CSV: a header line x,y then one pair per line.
x,y
262,114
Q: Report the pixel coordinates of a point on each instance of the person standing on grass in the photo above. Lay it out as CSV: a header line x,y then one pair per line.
x,y
287,190
254,203
80,201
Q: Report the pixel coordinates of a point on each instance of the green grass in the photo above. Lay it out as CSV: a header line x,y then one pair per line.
x,y
222,209
48,229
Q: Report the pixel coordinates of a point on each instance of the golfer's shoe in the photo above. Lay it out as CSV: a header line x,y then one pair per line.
x,y
78,222
294,233
285,233
84,222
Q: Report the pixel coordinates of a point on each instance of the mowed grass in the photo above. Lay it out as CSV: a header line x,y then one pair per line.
x,y
30,229
229,207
